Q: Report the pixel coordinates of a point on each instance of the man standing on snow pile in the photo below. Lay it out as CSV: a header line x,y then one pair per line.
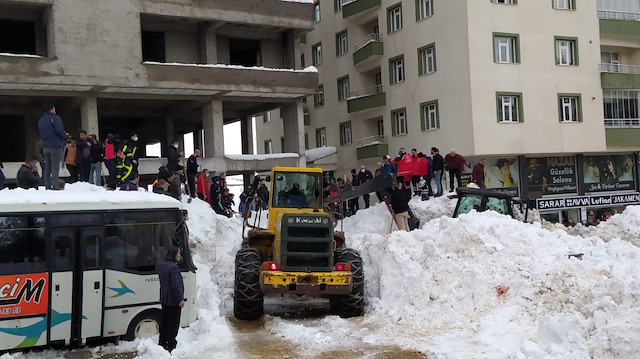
x,y
53,138
454,163
478,173
192,171
400,206
173,156
438,166
363,177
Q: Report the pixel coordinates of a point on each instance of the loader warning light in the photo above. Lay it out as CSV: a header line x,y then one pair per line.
x,y
269,266
346,267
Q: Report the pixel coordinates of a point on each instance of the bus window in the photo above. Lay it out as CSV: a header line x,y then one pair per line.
x,y
62,253
22,246
76,220
92,252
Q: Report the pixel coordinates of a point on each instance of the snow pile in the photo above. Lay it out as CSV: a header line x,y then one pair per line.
x,y
317,153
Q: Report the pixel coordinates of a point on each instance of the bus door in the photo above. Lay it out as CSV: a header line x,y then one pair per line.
x,y
77,289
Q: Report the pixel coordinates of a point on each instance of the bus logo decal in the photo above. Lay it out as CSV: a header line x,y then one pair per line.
x,y
120,291
24,294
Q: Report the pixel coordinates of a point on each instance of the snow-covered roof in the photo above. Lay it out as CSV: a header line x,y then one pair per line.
x,y
80,196
261,157
222,66
315,154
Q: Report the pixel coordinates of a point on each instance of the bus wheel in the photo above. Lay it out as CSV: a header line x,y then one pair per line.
x,y
350,305
144,325
248,298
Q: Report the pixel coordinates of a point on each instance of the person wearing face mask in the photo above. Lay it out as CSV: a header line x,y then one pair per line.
x,y
132,150
128,159
364,176
173,156
192,171
27,176
171,297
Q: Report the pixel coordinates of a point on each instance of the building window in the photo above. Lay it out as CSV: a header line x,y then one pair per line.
x,y
566,51
345,133
564,4
508,2
337,5
316,11
394,18
266,117
343,88
610,62
509,107
306,141
427,59
424,9
24,29
316,54
342,45
429,116
380,127
318,99
268,147
621,105
506,48
399,122
396,69
570,107
321,137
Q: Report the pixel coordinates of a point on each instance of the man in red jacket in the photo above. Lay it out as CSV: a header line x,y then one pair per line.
x,y
478,173
454,163
202,185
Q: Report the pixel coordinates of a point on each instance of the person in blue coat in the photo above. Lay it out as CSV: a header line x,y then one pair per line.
x,y
171,298
53,138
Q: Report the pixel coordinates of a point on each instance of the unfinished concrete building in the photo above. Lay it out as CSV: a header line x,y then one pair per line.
x,y
162,68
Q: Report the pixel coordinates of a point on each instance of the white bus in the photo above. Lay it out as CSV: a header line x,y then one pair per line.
x,y
76,266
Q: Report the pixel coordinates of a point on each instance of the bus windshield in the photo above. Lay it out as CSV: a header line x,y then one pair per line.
x,y
295,189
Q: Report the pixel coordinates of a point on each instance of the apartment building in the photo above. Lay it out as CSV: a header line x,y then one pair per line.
x,y
161,68
545,90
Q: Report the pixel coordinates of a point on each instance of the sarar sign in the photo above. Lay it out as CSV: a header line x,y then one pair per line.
x,y
587,201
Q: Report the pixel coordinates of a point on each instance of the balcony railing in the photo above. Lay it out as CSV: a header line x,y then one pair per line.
x,y
345,2
367,91
618,15
613,123
370,38
371,140
620,68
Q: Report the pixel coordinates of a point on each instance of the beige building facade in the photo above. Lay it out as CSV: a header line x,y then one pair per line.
x,y
541,84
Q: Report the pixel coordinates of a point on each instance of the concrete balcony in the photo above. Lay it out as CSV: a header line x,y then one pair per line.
x,y
620,76
619,138
371,147
368,52
366,99
359,9
619,22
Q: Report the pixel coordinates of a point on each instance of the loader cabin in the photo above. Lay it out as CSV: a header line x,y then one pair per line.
x,y
294,189
483,200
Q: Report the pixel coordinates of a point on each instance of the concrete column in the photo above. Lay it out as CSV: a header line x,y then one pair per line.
x,y
209,44
89,115
293,124
246,129
212,123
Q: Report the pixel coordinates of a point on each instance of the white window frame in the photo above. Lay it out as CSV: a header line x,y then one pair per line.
x,y
431,116
566,52
611,64
268,147
507,2
425,9
343,44
345,133
395,19
320,96
400,119
509,103
343,88
563,4
323,137
428,60
397,66
570,109
505,49
317,54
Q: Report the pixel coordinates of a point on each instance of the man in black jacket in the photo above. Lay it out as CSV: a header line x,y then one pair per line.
x,y
400,205
192,171
27,176
364,176
97,156
438,166
173,156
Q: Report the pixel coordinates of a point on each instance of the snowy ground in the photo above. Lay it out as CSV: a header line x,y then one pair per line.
x,y
431,292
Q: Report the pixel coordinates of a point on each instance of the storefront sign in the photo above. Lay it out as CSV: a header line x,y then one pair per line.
x,y
608,173
551,175
23,294
587,201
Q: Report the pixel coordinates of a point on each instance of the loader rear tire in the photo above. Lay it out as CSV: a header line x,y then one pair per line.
x,y
248,299
350,305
